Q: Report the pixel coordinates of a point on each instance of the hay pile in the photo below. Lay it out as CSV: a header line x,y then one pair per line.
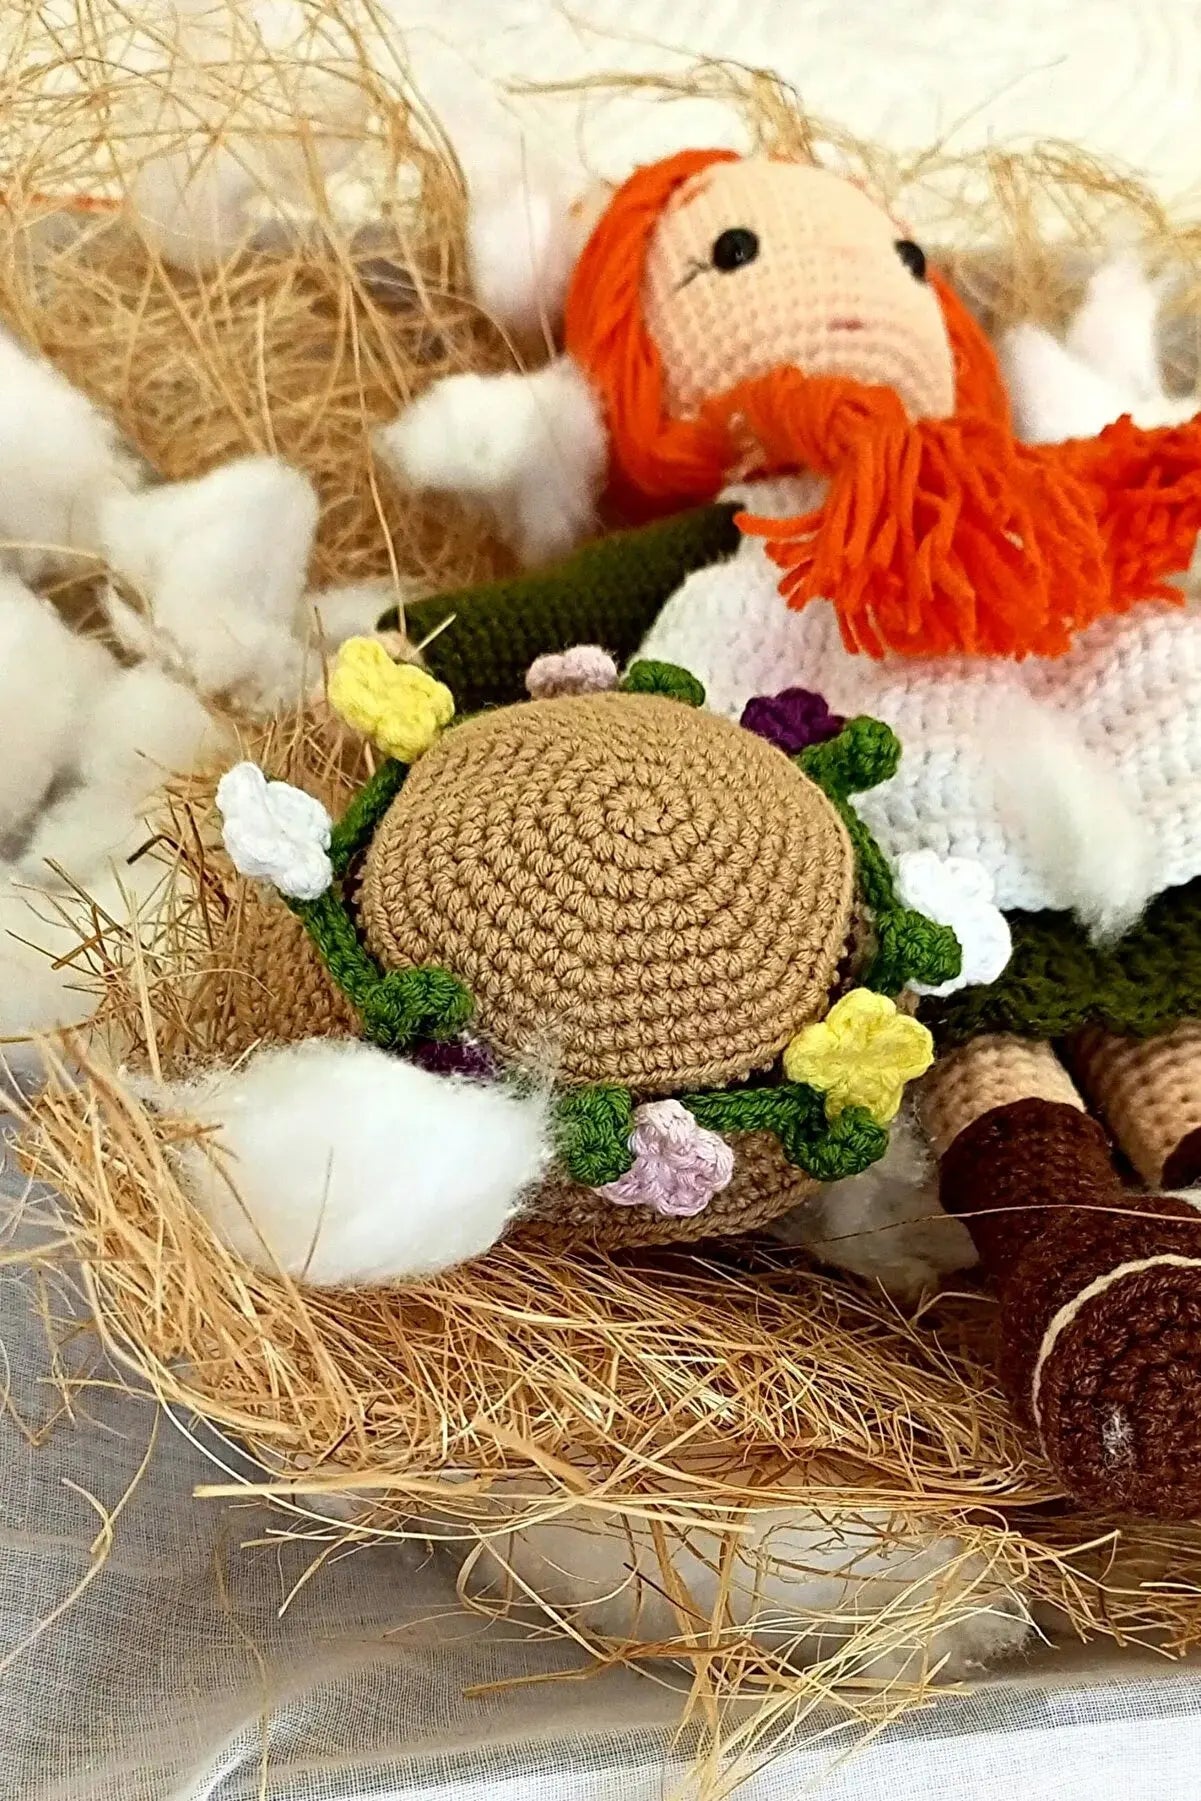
x,y
686,1391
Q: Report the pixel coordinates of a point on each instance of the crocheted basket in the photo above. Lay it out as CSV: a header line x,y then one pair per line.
x,y
288,994
624,892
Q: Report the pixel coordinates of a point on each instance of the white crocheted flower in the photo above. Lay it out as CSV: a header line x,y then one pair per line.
x,y
957,892
274,832
678,1167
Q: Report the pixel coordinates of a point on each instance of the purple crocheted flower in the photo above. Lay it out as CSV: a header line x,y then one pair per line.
x,y
678,1164
792,720
468,1057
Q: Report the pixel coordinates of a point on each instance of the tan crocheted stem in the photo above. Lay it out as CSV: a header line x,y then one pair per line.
x,y
1100,1304
985,1073
1149,1092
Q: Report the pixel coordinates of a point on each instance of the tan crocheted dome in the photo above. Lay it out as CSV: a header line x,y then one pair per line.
x,y
642,891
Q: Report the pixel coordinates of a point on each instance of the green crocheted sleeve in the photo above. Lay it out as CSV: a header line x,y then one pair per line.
x,y
609,592
1058,981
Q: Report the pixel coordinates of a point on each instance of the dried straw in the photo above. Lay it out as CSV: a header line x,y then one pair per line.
x,y
684,1392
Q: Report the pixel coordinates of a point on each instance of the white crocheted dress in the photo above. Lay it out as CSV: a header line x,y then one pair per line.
x,y
1075,780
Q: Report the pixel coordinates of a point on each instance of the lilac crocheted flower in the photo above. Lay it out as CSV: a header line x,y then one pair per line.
x,y
678,1165
462,1056
584,669
792,720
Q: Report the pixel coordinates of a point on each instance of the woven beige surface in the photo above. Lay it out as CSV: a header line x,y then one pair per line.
x,y
988,1072
635,890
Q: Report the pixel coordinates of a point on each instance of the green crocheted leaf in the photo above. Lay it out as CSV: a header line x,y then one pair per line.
x,y
1057,981
846,1147
397,1007
911,948
594,1133
405,1005
648,676
609,592
864,754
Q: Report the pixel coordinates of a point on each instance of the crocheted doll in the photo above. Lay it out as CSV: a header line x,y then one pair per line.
x,y
624,972
1071,780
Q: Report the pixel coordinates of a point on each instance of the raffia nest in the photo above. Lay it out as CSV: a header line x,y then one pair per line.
x,y
686,1391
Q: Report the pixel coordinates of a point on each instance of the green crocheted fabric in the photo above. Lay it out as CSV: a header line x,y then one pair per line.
x,y
1057,981
609,592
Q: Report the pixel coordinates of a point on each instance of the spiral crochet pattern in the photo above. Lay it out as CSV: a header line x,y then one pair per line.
x,y
641,891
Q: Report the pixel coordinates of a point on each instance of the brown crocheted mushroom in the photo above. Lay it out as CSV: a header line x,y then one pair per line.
x,y
1099,1287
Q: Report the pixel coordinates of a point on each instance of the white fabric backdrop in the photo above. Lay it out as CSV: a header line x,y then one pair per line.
x,y
173,1676
173,1672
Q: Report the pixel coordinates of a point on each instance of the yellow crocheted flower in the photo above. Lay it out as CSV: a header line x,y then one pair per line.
x,y
399,707
861,1055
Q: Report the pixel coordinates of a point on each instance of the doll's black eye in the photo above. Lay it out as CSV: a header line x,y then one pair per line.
x,y
913,257
734,248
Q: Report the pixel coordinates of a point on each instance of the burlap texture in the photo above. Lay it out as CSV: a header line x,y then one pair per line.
x,y
635,891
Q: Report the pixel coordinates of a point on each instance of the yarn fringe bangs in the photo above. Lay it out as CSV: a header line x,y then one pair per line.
x,y
543,1382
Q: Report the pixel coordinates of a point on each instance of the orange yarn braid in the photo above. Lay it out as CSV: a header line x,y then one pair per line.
x,y
937,536
657,462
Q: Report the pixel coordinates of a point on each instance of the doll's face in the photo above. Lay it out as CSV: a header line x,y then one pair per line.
x,y
761,263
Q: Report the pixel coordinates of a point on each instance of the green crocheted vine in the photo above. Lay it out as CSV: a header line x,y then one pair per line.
x,y
909,947
396,1006
595,1125
355,829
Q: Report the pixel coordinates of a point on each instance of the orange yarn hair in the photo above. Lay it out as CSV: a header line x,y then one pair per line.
x,y
935,536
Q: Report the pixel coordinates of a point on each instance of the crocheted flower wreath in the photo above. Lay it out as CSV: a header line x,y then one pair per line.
x,y
831,1094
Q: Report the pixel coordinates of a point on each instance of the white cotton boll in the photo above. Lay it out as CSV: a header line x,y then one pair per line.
x,y
220,563
886,1224
45,982
48,679
60,456
532,448
523,236
798,1583
1073,814
331,615
1107,365
145,726
1113,331
1053,394
523,242
142,728
343,1165
263,103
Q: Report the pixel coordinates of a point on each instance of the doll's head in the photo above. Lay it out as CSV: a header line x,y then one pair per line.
x,y
709,271
757,263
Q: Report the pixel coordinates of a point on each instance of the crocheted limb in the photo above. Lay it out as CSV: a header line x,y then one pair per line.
x,y
1057,982
985,1073
1149,1092
1100,1304
608,592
